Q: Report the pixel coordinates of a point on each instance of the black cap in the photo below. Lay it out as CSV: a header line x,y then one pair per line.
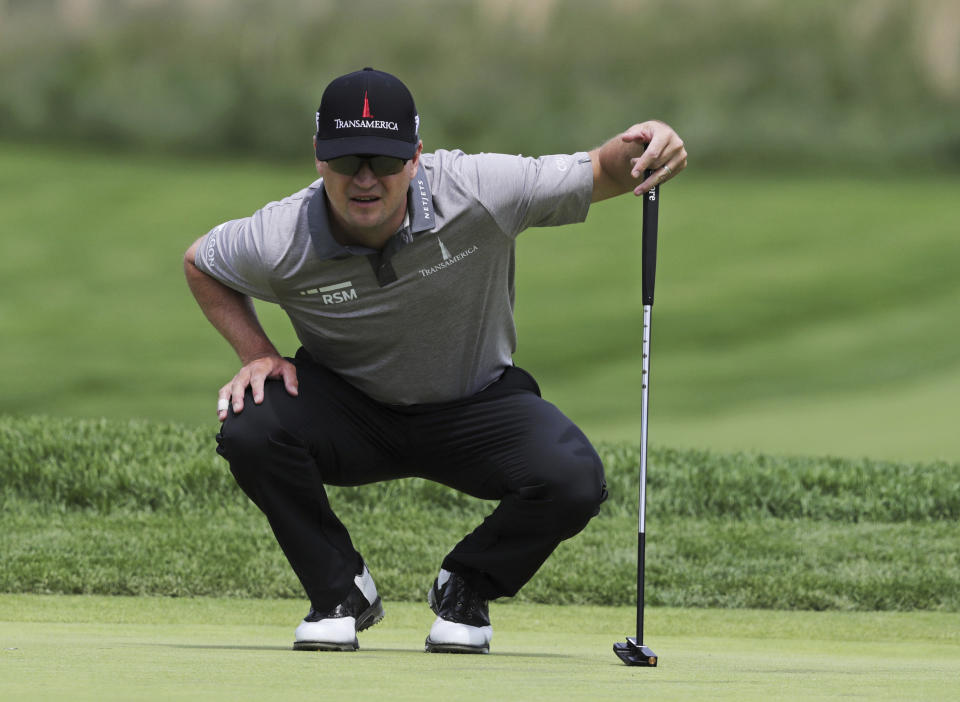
x,y
367,112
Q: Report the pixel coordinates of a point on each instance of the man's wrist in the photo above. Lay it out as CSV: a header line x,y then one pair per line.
x,y
248,358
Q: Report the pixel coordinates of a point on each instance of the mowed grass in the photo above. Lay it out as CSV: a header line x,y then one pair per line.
x,y
792,314
808,314
119,648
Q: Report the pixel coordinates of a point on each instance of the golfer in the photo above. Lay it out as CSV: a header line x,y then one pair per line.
x,y
396,269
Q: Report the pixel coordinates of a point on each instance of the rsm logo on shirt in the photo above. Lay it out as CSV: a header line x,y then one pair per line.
x,y
334,294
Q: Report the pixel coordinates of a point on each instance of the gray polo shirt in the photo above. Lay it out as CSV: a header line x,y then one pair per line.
x,y
430,317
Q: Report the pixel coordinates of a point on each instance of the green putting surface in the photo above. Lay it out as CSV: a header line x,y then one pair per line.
x,y
119,648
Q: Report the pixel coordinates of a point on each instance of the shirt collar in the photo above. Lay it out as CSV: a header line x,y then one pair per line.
x,y
420,202
419,218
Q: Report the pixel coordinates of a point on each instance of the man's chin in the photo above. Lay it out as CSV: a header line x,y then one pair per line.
x,y
366,216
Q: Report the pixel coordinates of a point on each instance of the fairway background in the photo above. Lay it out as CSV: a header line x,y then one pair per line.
x,y
808,282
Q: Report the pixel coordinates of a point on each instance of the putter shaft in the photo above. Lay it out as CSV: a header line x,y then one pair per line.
x,y
633,652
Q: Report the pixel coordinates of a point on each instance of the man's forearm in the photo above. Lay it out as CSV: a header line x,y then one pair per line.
x,y
231,313
611,169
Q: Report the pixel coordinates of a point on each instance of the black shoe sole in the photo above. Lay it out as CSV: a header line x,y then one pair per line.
x,y
370,616
324,646
431,647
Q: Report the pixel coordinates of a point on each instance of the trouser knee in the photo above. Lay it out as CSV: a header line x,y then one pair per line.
x,y
575,496
249,440
579,508
243,436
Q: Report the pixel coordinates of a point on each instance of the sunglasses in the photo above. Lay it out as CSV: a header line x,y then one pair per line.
x,y
380,165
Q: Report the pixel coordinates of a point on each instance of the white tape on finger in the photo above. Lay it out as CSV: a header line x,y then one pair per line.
x,y
222,405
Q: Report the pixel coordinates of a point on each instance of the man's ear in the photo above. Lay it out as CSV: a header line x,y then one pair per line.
x,y
415,161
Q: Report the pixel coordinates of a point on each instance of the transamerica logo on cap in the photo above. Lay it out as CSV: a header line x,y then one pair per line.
x,y
364,124
366,120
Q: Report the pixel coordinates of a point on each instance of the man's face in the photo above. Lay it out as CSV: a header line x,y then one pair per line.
x,y
366,208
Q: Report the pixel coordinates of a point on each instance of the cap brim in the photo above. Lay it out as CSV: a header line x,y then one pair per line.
x,y
377,146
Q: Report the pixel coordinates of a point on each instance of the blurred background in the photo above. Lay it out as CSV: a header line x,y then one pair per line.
x,y
809,282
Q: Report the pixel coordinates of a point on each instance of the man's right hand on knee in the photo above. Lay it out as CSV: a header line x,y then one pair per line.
x,y
253,375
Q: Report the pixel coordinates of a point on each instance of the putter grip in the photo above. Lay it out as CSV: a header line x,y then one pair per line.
x,y
651,205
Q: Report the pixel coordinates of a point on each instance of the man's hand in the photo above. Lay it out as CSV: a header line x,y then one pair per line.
x,y
664,153
254,375
622,161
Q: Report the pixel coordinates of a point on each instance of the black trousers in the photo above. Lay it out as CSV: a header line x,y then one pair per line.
x,y
504,443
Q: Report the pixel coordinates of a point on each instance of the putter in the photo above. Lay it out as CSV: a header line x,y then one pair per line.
x,y
633,651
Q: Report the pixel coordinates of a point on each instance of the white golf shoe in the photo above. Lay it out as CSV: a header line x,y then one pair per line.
x,y
336,629
463,619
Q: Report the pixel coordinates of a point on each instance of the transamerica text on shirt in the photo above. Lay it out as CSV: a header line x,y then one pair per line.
x,y
424,272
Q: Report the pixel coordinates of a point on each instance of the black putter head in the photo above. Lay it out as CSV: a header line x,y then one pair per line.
x,y
633,653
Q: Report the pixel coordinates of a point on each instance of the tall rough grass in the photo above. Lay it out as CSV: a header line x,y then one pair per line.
x,y
107,466
114,507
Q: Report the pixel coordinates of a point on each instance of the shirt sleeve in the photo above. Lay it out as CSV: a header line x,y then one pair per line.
x,y
521,192
234,253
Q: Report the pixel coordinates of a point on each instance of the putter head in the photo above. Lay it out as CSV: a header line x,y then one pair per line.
x,y
633,653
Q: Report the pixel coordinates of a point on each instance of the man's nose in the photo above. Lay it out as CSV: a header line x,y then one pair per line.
x,y
365,176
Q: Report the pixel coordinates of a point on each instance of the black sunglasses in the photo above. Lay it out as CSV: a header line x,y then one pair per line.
x,y
380,165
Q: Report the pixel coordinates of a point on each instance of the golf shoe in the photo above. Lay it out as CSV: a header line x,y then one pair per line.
x,y
463,620
336,629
